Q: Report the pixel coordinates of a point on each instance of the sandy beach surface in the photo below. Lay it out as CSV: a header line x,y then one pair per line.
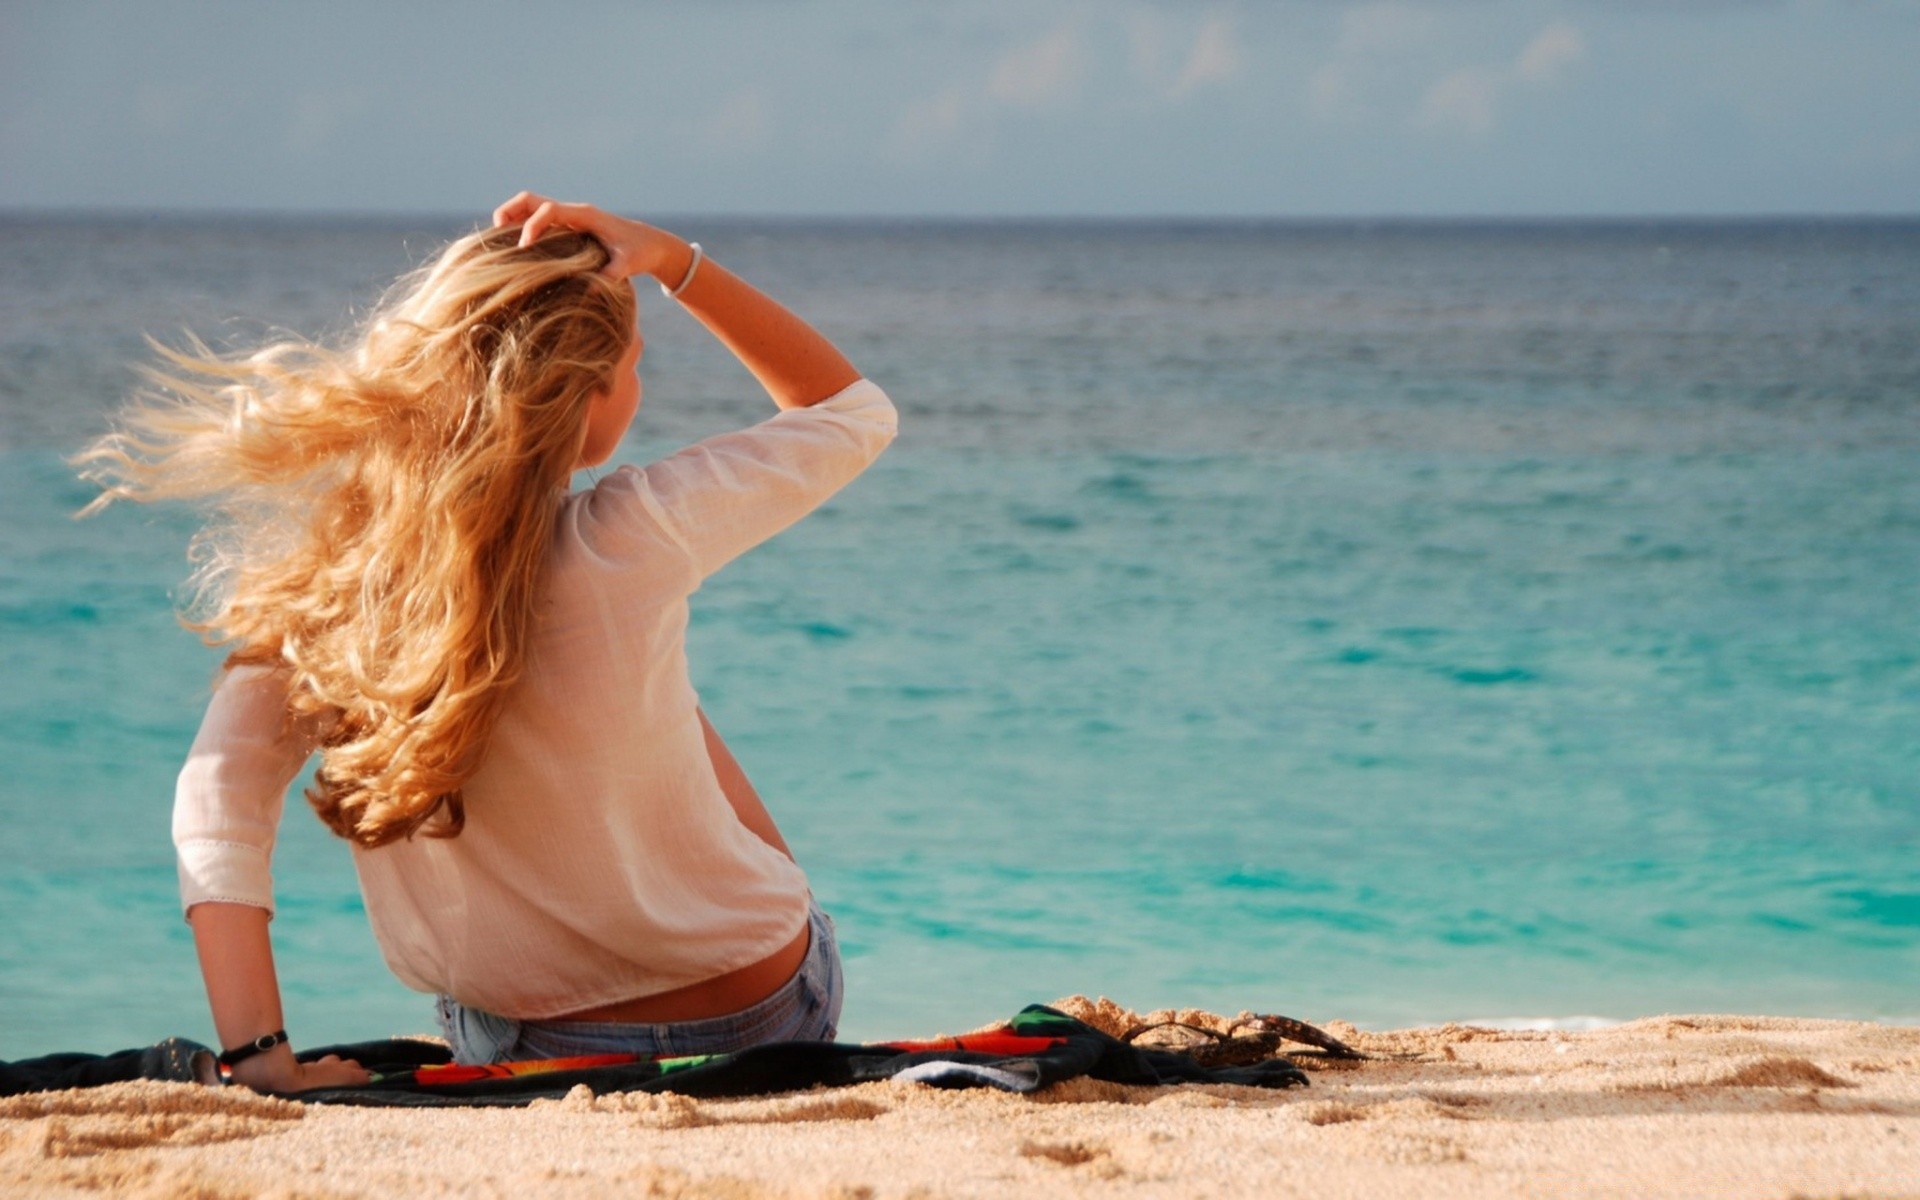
x,y
1690,1106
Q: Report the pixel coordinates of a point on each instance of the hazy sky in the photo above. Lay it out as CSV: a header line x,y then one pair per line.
x,y
968,107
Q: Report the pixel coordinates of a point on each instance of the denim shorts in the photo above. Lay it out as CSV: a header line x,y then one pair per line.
x,y
805,1009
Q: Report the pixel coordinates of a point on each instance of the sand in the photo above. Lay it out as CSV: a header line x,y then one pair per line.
x,y
1693,1106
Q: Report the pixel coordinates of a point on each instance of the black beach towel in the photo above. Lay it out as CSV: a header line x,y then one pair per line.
x,y
1038,1047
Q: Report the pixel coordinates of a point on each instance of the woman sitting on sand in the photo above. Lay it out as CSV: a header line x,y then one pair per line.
x,y
548,833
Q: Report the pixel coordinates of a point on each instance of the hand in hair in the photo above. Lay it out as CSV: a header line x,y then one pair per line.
x,y
635,248
789,357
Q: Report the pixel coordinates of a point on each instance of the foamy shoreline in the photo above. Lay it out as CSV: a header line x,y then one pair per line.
x,y
1662,1106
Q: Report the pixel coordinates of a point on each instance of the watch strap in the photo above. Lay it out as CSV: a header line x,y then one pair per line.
x,y
259,1045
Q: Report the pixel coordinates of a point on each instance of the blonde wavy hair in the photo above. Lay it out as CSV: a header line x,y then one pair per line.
x,y
380,514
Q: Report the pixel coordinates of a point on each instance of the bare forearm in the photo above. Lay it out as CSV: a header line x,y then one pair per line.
x,y
791,359
739,791
236,960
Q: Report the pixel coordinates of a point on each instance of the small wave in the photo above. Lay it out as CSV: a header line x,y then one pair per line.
x,y
1051,522
1482,678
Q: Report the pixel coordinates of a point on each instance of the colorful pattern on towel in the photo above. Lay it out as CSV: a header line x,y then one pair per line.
x,y
993,1041
997,1041
442,1075
448,1074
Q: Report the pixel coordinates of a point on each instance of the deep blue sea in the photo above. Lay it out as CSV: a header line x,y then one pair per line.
x,y
1389,621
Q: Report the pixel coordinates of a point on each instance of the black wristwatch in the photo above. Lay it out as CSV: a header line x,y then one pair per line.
x,y
259,1045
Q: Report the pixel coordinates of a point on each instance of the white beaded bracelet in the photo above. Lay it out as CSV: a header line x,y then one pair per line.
x,y
674,293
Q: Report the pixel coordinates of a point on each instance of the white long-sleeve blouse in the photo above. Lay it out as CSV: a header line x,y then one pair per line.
x,y
600,860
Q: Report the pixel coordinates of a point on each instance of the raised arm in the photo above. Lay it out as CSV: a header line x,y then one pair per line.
x,y
790,358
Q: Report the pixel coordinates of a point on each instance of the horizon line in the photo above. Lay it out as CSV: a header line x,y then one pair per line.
x,y
377,215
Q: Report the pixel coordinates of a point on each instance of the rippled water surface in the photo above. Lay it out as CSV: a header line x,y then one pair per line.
x,y
1395,622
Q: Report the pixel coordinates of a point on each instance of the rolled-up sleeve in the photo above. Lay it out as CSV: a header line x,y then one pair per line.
x,y
228,801
722,496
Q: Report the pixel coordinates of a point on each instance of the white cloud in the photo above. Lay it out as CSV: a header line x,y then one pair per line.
x,y
1040,72
1370,57
1215,57
1173,57
1461,101
1173,62
958,119
1382,50
1558,47
1465,101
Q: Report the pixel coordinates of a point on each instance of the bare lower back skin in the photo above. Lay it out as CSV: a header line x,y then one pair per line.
x,y
716,997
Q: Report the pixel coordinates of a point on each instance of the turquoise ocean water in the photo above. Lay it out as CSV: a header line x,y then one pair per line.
x,y
1391,621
